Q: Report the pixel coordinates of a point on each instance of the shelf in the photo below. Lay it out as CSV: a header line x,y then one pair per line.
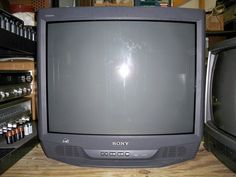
x,y
17,150
221,33
18,144
12,45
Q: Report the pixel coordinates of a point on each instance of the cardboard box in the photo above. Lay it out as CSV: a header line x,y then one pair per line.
x,y
214,22
126,3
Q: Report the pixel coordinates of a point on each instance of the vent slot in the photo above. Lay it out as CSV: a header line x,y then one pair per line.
x,y
222,149
68,151
172,151
181,151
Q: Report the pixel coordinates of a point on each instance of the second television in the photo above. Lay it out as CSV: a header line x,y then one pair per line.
x,y
121,87
220,103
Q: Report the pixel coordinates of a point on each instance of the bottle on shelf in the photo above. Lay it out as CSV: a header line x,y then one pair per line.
x,y
21,129
16,131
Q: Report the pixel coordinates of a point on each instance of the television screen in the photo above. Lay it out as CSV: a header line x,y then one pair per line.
x,y
120,71
120,86
220,117
224,91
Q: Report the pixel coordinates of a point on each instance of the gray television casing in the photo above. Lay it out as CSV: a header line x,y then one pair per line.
x,y
117,150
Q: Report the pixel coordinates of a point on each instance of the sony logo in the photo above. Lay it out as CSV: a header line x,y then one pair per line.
x,y
120,143
49,15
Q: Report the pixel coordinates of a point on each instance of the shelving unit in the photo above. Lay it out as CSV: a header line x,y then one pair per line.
x,y
18,53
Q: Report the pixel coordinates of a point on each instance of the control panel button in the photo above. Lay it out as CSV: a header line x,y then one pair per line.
x,y
120,154
127,154
112,154
102,153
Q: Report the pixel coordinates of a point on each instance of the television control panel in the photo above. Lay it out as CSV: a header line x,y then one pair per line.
x,y
121,154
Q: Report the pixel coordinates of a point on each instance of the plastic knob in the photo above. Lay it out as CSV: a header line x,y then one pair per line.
x,y
7,94
15,92
29,79
29,90
20,91
2,95
24,90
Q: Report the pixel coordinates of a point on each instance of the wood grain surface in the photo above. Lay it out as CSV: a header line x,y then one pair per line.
x,y
36,164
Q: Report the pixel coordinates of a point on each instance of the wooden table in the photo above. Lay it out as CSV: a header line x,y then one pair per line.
x,y
36,164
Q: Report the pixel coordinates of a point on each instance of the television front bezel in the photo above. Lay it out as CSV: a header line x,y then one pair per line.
x,y
89,143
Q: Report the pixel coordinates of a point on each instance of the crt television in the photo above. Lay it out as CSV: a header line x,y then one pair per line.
x,y
121,86
220,103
